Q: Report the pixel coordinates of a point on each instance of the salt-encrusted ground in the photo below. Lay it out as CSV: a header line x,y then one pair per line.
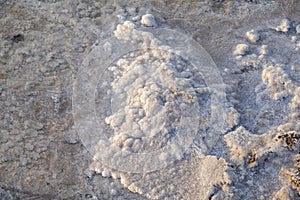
x,y
251,153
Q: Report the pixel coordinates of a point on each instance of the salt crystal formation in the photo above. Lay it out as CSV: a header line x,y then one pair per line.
x,y
284,26
276,97
155,94
159,103
241,49
252,36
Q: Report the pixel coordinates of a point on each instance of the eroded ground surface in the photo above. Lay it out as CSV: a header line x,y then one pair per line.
x,y
255,46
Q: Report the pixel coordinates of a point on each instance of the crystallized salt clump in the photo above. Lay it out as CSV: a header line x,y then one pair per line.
x,y
278,82
252,36
240,142
284,26
241,49
125,31
152,93
151,87
148,20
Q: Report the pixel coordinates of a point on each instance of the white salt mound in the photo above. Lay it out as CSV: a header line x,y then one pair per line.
x,y
241,49
252,36
145,114
284,26
278,82
148,20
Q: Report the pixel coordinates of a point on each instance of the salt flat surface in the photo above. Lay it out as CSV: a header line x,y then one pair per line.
x,y
149,99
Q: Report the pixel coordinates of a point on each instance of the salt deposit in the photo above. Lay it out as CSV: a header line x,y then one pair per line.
x,y
154,93
241,49
284,26
153,90
252,36
148,20
119,100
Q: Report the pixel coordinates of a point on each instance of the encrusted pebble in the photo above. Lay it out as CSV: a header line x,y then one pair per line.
x,y
148,20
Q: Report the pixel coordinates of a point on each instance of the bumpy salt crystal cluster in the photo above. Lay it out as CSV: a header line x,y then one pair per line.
x,y
270,123
148,93
241,49
284,26
155,92
277,81
140,98
152,88
252,36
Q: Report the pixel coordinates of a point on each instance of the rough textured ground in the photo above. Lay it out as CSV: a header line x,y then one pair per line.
x,y
255,45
